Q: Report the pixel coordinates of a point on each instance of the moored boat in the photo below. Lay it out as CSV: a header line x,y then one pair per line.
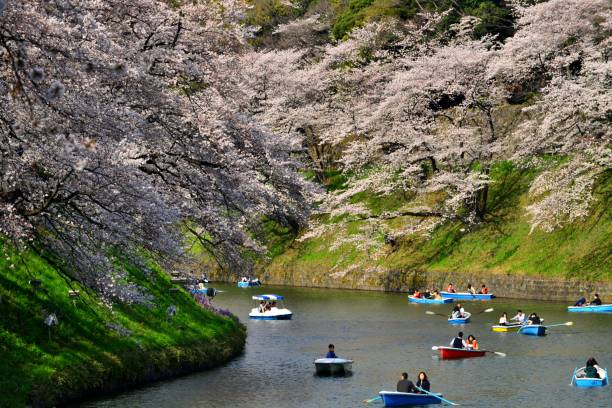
x,y
460,320
533,330
333,366
591,309
467,296
413,299
509,328
246,282
268,309
451,353
579,380
406,399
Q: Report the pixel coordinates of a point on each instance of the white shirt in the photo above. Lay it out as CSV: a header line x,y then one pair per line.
x,y
519,317
503,320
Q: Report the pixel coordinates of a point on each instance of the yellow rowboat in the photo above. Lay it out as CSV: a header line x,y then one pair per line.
x,y
512,328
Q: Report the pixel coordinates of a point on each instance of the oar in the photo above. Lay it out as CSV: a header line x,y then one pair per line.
x,y
485,311
429,312
437,396
573,376
499,353
559,324
367,401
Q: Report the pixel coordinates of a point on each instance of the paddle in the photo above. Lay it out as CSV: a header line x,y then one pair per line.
x,y
429,312
437,396
499,353
573,376
485,311
367,401
559,324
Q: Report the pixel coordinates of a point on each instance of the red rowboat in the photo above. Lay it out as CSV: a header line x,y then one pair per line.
x,y
449,353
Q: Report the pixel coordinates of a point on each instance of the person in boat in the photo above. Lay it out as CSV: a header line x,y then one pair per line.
x,y
450,288
520,317
262,306
580,302
422,382
331,353
405,385
596,300
503,320
417,294
534,319
268,306
273,305
427,293
471,343
470,289
458,341
591,369
458,312
484,290
436,294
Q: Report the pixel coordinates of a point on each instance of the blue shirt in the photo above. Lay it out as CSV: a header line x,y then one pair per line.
x,y
331,354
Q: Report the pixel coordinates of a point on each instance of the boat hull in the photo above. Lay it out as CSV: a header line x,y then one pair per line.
x,y
450,353
271,317
404,399
582,382
412,299
467,296
533,330
590,309
248,284
333,366
463,320
502,329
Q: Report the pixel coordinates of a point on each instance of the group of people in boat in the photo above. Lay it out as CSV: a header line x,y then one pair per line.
x,y
519,318
595,302
470,289
427,294
422,384
459,343
267,305
250,279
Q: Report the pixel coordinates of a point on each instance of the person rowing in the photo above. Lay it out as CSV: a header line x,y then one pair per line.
x,y
580,302
471,343
417,294
470,289
450,288
458,312
484,290
592,369
405,385
596,301
458,342
436,295
534,319
519,318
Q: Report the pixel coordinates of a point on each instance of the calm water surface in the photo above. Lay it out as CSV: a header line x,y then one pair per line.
x,y
386,335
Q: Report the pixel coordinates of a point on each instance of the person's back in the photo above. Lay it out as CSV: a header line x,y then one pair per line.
x,y
458,342
596,301
405,385
535,319
591,372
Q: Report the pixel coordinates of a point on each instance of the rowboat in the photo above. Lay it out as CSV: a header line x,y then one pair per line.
x,y
591,309
579,380
333,366
405,399
502,328
451,353
249,283
262,312
467,296
460,320
533,330
413,299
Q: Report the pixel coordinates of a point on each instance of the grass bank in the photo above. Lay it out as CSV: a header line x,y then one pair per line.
x,y
95,349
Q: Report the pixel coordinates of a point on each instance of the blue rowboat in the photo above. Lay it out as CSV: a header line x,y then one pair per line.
x,y
247,284
406,399
533,330
467,296
460,320
580,381
412,299
591,309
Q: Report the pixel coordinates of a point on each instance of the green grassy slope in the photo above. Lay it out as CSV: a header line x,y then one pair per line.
x,y
353,250
94,348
